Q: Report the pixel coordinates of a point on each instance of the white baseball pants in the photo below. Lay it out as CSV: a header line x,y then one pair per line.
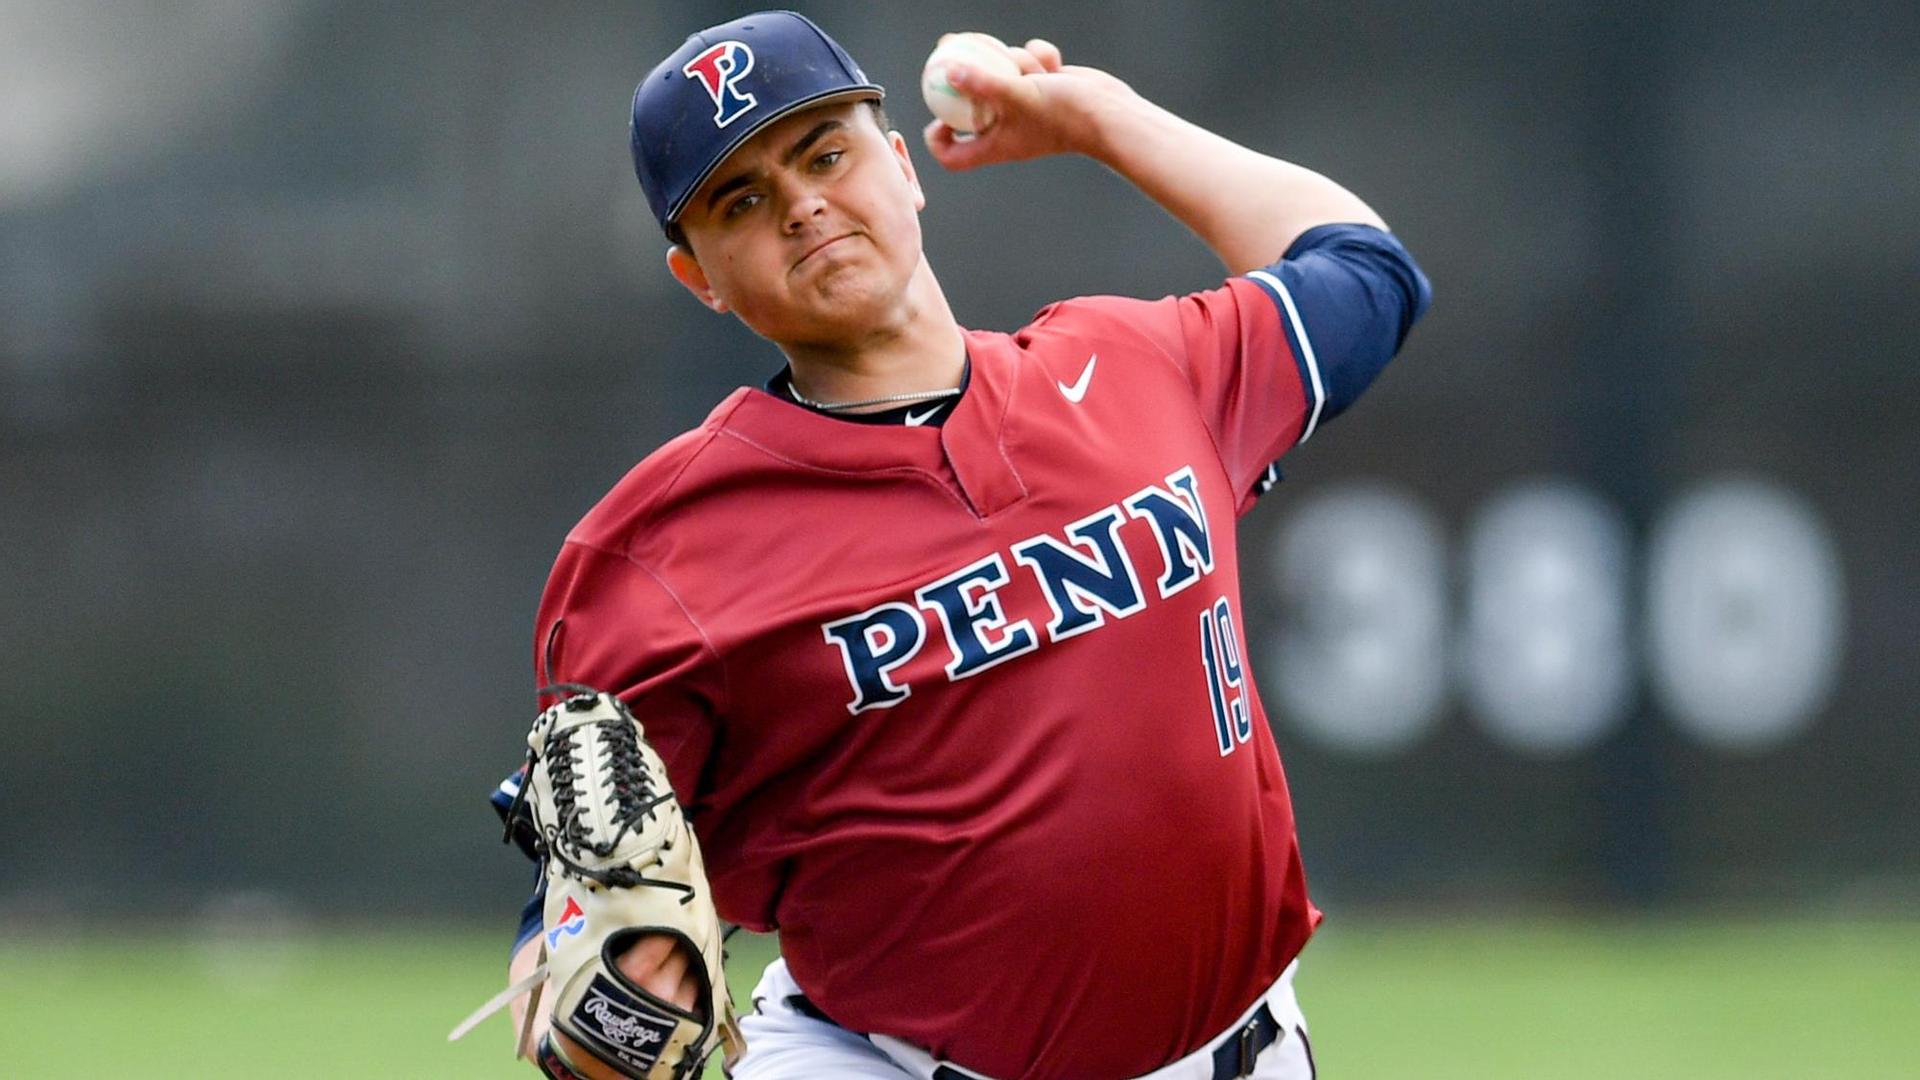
x,y
785,1044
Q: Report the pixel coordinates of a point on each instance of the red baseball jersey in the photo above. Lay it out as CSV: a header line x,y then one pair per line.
x,y
962,710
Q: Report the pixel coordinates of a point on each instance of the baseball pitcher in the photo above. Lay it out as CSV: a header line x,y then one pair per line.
x,y
929,653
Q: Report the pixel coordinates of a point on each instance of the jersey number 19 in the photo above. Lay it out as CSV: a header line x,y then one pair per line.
x,y
1226,692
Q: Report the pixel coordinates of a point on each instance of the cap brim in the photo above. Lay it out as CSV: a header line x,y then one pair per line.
x,y
845,93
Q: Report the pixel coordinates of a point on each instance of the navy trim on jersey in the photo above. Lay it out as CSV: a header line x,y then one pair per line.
x,y
781,386
1268,480
1300,345
1347,295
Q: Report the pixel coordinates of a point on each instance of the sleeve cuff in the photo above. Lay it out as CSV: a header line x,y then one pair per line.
x,y
1298,342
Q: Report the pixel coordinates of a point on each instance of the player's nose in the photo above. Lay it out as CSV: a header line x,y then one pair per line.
x,y
804,207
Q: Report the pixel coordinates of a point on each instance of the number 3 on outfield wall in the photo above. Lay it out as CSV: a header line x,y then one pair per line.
x,y
1226,679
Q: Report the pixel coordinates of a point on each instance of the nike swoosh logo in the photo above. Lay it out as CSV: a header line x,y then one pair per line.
x,y
1079,388
916,421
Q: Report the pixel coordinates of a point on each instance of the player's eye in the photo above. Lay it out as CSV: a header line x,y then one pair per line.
x,y
828,159
740,205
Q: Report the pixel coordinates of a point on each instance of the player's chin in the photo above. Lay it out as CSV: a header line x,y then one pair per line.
x,y
846,290
836,316
803,320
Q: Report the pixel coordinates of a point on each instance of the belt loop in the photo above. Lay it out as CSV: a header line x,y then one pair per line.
x,y
1247,1054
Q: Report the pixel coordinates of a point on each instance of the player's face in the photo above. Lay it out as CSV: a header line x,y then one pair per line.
x,y
810,232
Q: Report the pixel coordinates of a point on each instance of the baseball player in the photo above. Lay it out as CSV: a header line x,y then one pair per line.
x,y
939,634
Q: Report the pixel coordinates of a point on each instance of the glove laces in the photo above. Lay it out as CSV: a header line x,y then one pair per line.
x,y
631,795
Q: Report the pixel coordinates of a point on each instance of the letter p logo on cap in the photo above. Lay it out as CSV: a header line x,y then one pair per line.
x,y
719,70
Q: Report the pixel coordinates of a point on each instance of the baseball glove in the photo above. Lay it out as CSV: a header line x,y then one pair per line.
x,y
621,862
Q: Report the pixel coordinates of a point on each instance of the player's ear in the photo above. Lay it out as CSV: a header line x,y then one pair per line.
x,y
899,144
686,270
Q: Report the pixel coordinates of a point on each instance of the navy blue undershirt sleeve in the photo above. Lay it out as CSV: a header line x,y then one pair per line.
x,y
1355,293
520,827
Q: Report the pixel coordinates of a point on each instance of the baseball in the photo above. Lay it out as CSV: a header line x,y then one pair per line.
x,y
982,52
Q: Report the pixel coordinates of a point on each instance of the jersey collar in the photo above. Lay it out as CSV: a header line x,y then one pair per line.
x,y
967,454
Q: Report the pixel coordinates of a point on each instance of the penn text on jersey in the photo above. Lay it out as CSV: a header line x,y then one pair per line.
x,y
1082,589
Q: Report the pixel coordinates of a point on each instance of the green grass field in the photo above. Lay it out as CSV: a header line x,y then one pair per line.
x,y
1562,1000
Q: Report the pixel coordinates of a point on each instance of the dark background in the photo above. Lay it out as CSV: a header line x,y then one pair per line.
x,y
320,323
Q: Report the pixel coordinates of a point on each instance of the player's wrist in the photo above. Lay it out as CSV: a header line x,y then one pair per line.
x,y
1108,122
554,1055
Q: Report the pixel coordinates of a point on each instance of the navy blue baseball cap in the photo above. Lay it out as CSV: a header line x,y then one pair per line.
x,y
727,82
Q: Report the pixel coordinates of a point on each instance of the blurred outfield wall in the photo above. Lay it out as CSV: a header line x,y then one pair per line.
x,y
321,322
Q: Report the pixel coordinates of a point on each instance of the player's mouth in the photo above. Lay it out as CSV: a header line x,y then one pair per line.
x,y
823,245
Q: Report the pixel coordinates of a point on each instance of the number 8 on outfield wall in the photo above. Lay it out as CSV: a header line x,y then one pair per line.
x,y
1741,631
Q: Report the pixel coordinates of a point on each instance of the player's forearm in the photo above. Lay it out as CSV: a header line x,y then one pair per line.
x,y
525,959
1246,206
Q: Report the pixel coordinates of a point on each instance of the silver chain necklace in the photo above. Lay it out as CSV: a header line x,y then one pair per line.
x,y
842,406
